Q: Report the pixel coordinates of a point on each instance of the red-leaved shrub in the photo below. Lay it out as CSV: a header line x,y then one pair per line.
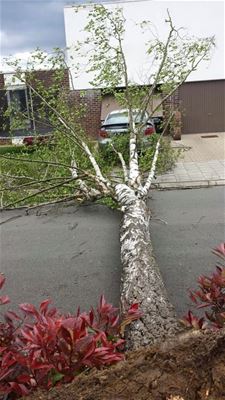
x,y
43,347
211,295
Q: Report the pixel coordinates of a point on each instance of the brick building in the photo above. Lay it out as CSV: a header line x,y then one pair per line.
x,y
12,89
201,104
96,104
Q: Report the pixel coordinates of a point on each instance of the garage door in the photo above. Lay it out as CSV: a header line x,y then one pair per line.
x,y
203,106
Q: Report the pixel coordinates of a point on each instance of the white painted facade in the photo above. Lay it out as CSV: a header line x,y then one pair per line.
x,y
200,18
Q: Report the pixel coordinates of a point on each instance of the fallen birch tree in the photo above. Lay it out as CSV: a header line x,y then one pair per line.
x,y
83,171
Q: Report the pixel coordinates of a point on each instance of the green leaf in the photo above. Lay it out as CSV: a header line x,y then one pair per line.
x,y
56,377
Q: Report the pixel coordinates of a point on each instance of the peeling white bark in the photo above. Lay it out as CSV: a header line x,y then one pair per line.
x,y
141,278
98,173
134,173
82,184
134,168
125,196
88,193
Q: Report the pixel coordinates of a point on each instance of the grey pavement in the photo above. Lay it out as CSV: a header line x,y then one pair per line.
x,y
202,162
72,255
186,225
68,254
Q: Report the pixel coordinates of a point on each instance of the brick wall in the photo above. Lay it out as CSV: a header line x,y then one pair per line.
x,y
44,76
1,81
91,101
172,104
47,77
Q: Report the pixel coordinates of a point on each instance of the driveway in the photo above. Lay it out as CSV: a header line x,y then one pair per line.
x,y
72,254
202,162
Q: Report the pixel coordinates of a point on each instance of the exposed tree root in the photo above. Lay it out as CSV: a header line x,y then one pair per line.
x,y
189,367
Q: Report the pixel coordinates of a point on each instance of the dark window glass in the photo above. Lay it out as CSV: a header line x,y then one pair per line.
x,y
18,99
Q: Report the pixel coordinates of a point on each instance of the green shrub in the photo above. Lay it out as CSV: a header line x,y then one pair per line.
x,y
166,160
9,149
33,177
108,155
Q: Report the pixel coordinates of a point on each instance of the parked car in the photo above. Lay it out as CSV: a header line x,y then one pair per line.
x,y
117,123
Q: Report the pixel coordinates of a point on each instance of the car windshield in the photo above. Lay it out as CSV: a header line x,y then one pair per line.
x,y
117,118
122,118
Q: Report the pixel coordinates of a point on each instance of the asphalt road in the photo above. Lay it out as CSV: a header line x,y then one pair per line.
x,y
195,224
72,255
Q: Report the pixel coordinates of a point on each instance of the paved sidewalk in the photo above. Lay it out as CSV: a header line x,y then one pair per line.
x,y
202,163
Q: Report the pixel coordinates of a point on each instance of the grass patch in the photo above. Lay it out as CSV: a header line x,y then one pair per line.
x,y
9,149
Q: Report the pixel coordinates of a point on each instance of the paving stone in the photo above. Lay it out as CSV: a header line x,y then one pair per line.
x,y
203,164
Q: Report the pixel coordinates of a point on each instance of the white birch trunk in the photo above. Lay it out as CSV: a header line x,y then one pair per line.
x,y
134,167
141,278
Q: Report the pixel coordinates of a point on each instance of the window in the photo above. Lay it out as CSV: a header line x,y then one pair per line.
x,y
19,108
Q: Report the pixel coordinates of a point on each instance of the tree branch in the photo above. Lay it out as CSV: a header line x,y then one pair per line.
x,y
102,180
156,80
194,66
124,167
17,176
78,139
83,186
144,190
39,192
57,164
34,182
66,198
134,174
93,178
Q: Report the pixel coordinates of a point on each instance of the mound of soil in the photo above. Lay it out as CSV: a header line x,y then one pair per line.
x,y
189,367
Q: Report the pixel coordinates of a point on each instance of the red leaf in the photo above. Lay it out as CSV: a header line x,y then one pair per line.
x,y
192,297
44,305
66,343
2,280
26,335
24,378
12,315
133,308
5,374
86,347
91,316
2,349
114,321
203,305
19,388
133,313
78,312
4,300
28,308
220,249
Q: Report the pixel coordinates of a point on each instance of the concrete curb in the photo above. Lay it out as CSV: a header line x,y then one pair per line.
x,y
189,184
